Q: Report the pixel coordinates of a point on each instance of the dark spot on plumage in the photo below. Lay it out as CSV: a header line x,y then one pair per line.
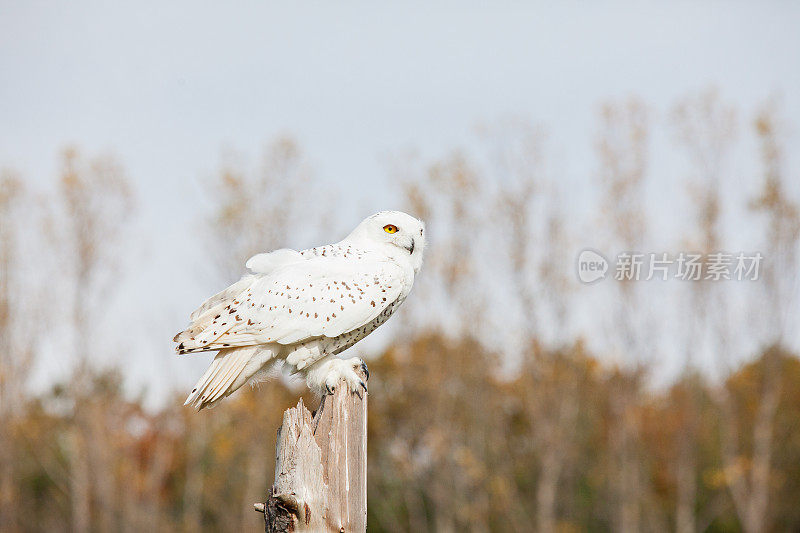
x,y
216,317
373,305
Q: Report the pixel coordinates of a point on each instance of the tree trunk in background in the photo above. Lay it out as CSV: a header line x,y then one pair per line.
x,y
321,467
546,490
624,435
257,468
686,484
157,470
8,478
100,449
688,401
80,482
750,489
195,477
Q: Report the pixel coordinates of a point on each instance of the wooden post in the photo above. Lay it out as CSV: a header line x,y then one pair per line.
x,y
321,467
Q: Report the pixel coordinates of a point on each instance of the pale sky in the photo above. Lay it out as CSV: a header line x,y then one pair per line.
x,y
166,86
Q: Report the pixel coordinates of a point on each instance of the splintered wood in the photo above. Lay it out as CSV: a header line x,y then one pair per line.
x,y
321,468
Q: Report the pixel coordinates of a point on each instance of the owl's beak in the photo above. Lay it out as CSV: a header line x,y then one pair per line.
x,y
411,247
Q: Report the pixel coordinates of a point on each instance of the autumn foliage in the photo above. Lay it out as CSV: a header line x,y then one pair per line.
x,y
491,408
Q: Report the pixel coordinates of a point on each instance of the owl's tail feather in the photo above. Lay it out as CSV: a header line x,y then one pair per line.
x,y
229,370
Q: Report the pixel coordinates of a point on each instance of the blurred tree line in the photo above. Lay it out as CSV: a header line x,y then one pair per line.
x,y
488,411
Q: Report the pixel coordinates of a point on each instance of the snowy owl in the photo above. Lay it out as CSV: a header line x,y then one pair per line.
x,y
303,308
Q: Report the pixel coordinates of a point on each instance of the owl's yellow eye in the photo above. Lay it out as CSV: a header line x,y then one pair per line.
x,y
390,228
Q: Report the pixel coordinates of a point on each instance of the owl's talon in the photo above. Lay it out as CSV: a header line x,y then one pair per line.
x,y
328,375
366,370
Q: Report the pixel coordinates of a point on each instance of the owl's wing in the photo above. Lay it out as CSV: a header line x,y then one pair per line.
x,y
316,297
269,262
258,264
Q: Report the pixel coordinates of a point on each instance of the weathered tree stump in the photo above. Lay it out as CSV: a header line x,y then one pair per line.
x,y
321,467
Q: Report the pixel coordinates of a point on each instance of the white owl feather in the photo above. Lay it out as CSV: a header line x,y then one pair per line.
x,y
303,308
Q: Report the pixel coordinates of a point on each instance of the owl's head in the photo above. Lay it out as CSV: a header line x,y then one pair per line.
x,y
404,235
